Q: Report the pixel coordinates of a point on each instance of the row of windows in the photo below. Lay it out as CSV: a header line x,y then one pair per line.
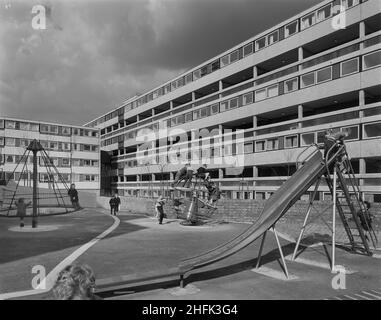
x,y
342,69
46,128
58,162
289,85
49,145
286,31
46,178
369,131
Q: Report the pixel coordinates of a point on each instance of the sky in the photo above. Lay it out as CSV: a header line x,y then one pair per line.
x,y
95,54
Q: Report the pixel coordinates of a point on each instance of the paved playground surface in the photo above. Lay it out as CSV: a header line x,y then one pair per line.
x,y
138,244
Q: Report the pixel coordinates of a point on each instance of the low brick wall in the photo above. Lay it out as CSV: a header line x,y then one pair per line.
x,y
236,210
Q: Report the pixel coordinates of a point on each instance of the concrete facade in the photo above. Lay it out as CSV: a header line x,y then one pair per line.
x,y
282,88
73,149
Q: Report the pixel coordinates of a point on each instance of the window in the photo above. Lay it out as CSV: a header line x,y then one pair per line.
x,y
291,142
260,94
10,141
349,3
225,60
86,147
188,117
324,13
53,145
308,20
180,119
167,88
188,78
272,144
372,130
273,91
372,60
9,158
1,141
307,139
24,126
248,49
320,137
65,162
53,129
10,124
353,133
234,56
308,80
260,44
273,37
224,106
1,124
197,74
291,85
204,71
291,29
248,98
34,127
324,75
66,131
248,147
233,103
196,114
349,67
215,108
260,146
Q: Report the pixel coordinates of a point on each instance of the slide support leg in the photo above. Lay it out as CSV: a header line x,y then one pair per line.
x,y
260,251
281,252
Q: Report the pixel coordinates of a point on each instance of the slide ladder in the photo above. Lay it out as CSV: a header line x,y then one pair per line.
x,y
351,209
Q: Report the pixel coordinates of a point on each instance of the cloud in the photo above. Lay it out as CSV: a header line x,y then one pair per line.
x,y
95,54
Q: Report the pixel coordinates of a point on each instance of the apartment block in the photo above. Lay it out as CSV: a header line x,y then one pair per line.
x,y
73,150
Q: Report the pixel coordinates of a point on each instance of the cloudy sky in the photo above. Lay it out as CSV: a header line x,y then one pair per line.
x,y
95,54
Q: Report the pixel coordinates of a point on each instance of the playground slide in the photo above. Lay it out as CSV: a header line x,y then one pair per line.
x,y
275,207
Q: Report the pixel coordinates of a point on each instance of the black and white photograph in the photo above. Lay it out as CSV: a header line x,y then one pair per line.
x,y
188,156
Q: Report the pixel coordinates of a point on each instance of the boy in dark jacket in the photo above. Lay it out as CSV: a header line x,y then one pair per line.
x,y
73,194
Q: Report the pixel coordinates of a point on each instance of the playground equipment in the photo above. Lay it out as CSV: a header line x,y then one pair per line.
x,y
196,201
44,201
310,172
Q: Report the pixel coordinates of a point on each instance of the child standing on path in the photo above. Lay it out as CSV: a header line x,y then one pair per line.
x,y
21,210
159,206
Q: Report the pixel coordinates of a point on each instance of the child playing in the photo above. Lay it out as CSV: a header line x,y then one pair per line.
x,y
159,209
181,175
202,172
214,192
21,210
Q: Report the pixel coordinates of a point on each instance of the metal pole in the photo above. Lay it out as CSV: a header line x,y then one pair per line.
x,y
34,215
305,220
281,252
260,250
333,219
